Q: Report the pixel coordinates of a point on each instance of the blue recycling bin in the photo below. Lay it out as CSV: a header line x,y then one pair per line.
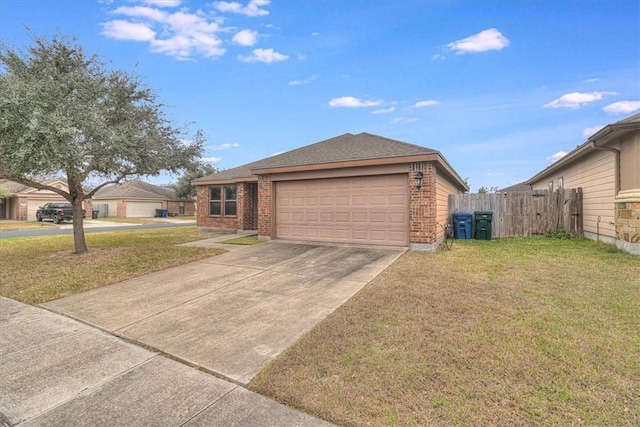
x,y
164,213
462,224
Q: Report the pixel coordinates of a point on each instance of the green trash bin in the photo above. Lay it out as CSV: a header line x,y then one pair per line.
x,y
483,224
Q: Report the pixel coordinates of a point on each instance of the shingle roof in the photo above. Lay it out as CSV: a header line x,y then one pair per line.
x,y
343,148
16,187
136,189
239,172
516,187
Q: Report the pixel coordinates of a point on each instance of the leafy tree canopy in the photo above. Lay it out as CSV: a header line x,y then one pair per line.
x,y
183,188
63,111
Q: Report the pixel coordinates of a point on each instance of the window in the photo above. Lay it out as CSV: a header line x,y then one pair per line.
x,y
550,186
560,183
222,200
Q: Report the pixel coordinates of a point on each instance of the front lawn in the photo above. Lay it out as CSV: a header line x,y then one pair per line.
x,y
39,269
512,332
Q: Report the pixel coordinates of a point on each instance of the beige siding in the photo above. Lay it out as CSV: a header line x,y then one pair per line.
x,y
444,187
595,173
630,162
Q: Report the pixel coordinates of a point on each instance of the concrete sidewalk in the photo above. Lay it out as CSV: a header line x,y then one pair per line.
x,y
56,371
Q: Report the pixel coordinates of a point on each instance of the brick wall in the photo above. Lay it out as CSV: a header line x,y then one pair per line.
x,y
207,221
265,192
422,205
173,207
247,192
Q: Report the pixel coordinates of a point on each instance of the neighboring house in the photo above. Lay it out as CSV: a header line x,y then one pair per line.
x,y
138,199
349,189
24,201
514,188
607,167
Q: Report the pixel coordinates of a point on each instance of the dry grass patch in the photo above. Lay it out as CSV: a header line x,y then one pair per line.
x,y
39,269
23,225
512,332
246,240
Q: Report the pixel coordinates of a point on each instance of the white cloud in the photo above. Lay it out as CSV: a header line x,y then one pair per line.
x,y
180,34
264,55
277,153
351,102
427,103
226,146
315,34
384,110
622,107
125,30
556,156
438,57
164,3
587,132
490,39
398,120
245,37
253,8
591,80
577,99
211,159
495,173
303,81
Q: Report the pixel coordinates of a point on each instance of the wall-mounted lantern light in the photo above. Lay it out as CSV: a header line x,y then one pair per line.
x,y
418,178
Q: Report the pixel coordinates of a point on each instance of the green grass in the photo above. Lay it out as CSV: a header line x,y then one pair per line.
x,y
246,240
512,332
39,269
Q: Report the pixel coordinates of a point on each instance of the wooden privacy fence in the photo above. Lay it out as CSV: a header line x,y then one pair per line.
x,y
526,213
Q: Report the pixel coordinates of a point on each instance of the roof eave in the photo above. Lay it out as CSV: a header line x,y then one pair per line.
x,y
226,181
348,164
603,136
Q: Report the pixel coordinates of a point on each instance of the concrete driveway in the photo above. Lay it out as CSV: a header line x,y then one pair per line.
x,y
233,313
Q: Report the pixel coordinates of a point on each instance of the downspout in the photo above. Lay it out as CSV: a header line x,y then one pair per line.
x,y
616,153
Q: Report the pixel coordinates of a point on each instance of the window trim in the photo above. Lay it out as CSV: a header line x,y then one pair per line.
x,y
223,200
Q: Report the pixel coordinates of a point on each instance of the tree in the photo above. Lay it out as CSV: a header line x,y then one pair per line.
x,y
64,112
183,188
4,192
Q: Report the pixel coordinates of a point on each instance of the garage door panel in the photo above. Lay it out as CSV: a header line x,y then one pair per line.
x,y
142,209
371,210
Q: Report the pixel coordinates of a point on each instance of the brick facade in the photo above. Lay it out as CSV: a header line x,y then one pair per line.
x,y
422,205
173,207
246,204
265,192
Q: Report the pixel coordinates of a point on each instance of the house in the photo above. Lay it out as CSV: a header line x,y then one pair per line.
x,y
138,199
24,201
359,188
607,167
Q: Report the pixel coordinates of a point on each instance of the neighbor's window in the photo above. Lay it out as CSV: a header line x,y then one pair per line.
x,y
560,183
222,200
550,186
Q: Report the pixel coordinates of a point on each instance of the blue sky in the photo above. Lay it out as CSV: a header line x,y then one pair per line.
x,y
501,88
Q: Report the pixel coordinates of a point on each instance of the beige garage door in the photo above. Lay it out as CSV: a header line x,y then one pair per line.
x,y
142,209
369,210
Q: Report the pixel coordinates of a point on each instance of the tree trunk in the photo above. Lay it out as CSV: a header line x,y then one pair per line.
x,y
79,242
76,197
